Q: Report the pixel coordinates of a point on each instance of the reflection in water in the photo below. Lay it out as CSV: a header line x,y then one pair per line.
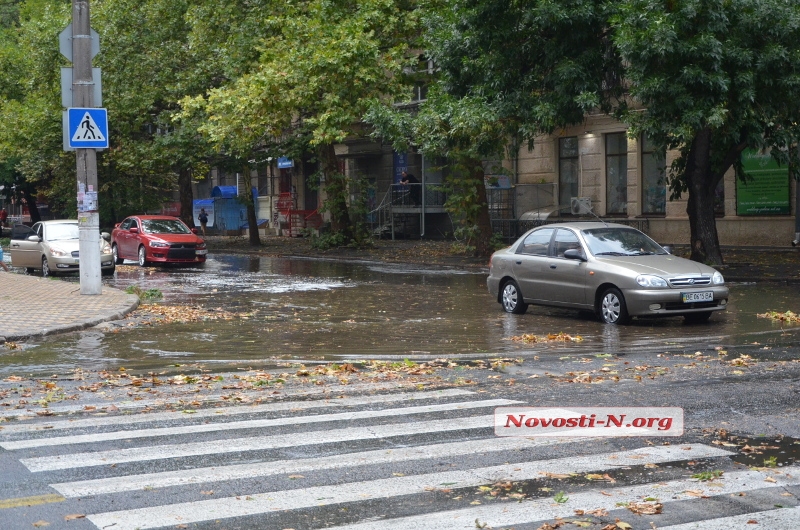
x,y
310,310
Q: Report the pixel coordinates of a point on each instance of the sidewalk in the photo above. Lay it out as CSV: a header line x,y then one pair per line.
x,y
31,306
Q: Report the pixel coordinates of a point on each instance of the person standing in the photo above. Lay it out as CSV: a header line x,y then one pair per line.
x,y
410,182
3,219
203,218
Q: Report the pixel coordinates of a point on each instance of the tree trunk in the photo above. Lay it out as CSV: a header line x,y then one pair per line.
x,y
336,192
483,243
186,196
252,221
702,183
33,210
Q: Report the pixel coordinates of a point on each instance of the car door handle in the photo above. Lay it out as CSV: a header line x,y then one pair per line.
x,y
15,245
552,265
519,263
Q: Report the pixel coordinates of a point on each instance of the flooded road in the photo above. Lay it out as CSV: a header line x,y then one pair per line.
x,y
311,310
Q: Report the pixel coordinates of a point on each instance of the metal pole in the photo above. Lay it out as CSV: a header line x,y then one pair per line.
x,y
86,159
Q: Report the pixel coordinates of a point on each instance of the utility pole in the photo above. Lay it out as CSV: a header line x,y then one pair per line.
x,y
86,158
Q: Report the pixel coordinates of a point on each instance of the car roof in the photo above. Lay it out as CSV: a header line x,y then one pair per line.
x,y
59,221
154,217
587,225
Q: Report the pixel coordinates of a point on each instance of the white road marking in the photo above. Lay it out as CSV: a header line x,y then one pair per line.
x,y
256,443
771,519
297,419
278,406
507,514
262,469
189,512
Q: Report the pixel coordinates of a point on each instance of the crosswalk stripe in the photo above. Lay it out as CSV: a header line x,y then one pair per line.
x,y
278,406
506,514
773,519
161,452
263,469
249,424
189,512
218,397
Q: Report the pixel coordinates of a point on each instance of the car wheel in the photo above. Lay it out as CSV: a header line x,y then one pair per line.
x,y
512,299
45,268
142,256
115,252
107,272
697,318
612,307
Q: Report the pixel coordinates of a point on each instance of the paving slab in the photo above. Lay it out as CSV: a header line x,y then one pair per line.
x,y
31,306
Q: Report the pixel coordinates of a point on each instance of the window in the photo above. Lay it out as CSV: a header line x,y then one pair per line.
x,y
616,173
654,179
567,169
537,243
566,240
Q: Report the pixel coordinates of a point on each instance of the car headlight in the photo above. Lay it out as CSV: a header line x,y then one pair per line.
x,y
58,253
717,279
201,245
105,248
158,244
648,280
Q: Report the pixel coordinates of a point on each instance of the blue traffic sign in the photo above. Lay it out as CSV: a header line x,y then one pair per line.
x,y
87,128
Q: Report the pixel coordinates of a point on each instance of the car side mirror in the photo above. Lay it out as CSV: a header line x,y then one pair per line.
x,y
106,236
574,253
34,238
133,230
667,249
194,230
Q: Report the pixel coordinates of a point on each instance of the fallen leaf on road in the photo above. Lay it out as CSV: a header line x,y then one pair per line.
x,y
39,524
645,508
73,516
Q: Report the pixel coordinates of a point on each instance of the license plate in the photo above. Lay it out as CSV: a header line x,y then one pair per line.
x,y
201,252
702,296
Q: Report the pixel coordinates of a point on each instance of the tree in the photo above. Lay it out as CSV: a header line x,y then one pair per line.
x,y
713,77
320,63
507,72
707,78
464,131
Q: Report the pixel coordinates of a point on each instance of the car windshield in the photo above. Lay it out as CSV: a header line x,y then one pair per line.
x,y
59,232
620,242
165,226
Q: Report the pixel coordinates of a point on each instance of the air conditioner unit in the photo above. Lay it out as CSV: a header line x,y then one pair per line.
x,y
580,205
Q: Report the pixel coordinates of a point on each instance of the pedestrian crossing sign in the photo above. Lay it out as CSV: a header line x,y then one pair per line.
x,y
87,128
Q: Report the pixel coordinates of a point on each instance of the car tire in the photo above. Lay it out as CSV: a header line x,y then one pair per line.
x,y
511,299
697,318
107,272
612,307
46,272
142,256
115,252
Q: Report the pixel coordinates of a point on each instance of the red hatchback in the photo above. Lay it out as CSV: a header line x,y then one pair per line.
x,y
156,239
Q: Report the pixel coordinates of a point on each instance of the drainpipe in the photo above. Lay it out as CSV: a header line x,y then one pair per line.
x,y
796,239
422,215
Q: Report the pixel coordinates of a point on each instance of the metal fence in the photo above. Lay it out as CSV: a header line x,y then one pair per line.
x,y
511,229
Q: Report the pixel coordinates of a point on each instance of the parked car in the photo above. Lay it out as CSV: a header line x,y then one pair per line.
x,y
52,247
614,270
156,239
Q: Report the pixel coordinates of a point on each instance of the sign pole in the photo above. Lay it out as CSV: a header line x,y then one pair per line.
x,y
86,158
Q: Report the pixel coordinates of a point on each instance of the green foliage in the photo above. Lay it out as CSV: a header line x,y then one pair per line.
x,y
145,294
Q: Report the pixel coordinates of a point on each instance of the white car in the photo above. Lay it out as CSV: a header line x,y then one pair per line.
x,y
52,247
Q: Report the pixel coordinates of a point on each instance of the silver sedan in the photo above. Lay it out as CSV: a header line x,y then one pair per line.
x,y
613,270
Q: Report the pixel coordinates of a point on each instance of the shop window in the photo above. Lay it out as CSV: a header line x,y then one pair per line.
x,y
654,179
567,170
616,173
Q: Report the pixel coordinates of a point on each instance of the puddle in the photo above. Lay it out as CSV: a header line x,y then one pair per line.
x,y
312,310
